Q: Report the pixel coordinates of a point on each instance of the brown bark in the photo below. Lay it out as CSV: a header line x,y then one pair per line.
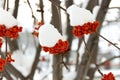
x,y
100,17
11,69
57,68
13,43
92,4
7,75
34,65
92,43
77,56
69,30
16,8
82,71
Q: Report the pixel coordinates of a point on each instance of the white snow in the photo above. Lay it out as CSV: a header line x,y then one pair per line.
x,y
48,35
7,19
115,3
79,16
95,10
23,62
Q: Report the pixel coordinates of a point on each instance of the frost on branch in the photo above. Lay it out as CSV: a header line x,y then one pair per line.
x,y
7,19
82,20
51,40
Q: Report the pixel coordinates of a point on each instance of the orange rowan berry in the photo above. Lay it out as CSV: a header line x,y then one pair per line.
x,y
35,33
0,42
2,64
9,58
60,47
39,24
87,28
108,76
78,31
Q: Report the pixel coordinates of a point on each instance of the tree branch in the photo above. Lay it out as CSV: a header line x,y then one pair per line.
x,y
58,5
16,8
30,76
31,9
108,41
108,60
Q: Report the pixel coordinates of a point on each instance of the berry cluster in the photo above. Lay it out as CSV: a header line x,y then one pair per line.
x,y
108,76
2,64
60,47
10,32
4,61
87,28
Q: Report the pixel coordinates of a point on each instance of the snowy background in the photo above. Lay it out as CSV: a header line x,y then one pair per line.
x,y
27,42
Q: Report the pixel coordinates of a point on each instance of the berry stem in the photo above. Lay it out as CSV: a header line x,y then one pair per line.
x,y
90,57
62,62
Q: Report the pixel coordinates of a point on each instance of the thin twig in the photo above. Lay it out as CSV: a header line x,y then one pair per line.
x,y
65,66
46,75
60,23
31,9
62,62
42,11
38,49
98,69
54,3
7,5
90,57
114,8
109,60
88,62
108,41
4,4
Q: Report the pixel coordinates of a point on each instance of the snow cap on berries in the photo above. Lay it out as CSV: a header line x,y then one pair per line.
x,y
48,35
79,16
7,19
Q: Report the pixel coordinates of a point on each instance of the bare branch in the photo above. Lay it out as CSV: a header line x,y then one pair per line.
x,y
16,8
108,60
30,76
114,8
31,9
54,3
108,41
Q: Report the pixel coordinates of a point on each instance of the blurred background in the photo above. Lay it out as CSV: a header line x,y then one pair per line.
x,y
32,63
